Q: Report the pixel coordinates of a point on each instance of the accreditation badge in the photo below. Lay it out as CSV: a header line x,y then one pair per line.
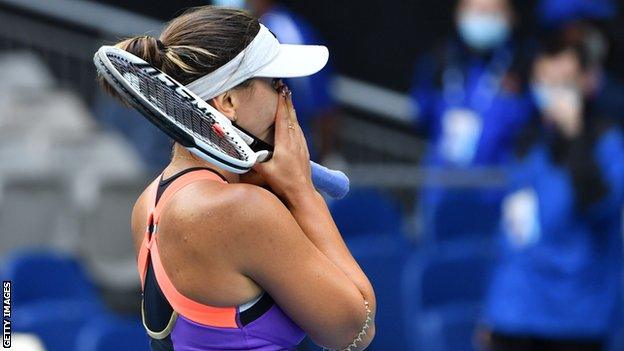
x,y
461,131
521,223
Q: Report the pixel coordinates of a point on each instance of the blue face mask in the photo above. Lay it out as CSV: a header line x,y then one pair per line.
x,y
238,4
545,96
483,31
541,96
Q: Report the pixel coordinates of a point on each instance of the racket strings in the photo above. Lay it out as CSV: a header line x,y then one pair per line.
x,y
177,108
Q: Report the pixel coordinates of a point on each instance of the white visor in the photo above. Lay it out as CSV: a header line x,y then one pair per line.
x,y
295,61
263,57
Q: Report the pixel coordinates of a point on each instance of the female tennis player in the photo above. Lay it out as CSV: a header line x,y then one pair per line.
x,y
243,262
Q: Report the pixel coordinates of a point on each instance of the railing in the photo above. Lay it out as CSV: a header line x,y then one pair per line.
x,y
66,33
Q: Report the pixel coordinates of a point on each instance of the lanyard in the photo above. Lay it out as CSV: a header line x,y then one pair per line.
x,y
487,86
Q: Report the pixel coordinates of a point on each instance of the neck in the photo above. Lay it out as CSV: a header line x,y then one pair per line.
x,y
183,159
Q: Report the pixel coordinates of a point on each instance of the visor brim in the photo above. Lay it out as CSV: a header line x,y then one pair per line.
x,y
295,61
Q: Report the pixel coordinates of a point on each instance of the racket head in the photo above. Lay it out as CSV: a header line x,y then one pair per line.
x,y
175,110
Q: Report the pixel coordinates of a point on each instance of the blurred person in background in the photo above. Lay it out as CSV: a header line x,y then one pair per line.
x,y
315,108
558,282
471,99
588,24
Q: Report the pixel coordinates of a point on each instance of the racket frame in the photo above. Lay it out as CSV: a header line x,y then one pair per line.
x,y
179,133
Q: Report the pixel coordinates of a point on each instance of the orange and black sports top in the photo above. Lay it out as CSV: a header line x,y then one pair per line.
x,y
175,322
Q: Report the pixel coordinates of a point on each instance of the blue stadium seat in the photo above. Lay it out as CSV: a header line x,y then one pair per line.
x,y
448,275
382,258
366,211
446,329
616,337
107,333
442,290
52,296
44,275
464,215
55,322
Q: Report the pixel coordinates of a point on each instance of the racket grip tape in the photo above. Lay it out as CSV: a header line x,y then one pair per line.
x,y
331,182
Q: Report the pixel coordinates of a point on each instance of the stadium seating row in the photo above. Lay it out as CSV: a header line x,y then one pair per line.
x,y
39,211
54,299
423,298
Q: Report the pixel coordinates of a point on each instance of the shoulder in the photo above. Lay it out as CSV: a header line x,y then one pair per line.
x,y
529,165
429,66
233,223
609,145
612,135
234,208
227,196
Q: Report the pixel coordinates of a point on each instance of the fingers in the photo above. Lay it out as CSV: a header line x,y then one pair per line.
x,y
292,114
282,132
295,128
304,143
289,136
290,161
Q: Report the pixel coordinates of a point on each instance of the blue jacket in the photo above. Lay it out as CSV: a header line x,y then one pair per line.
x,y
467,128
559,273
488,139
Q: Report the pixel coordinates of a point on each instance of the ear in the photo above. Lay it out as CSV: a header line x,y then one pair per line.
x,y
226,104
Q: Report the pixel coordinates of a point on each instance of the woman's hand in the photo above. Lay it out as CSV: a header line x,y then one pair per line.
x,y
566,112
288,171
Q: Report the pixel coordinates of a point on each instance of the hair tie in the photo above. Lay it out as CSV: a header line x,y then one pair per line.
x,y
160,45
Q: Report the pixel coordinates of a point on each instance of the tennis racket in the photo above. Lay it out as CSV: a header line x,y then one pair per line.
x,y
192,122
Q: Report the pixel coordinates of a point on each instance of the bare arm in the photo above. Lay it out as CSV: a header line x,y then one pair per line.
x,y
312,215
288,174
315,292
314,218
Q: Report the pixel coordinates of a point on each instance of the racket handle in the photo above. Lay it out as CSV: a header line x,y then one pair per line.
x,y
331,182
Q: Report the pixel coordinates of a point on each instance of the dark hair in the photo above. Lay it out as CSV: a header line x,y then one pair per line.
x,y
195,43
576,155
555,45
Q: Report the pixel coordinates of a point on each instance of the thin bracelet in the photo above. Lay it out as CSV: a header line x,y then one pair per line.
x,y
362,332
